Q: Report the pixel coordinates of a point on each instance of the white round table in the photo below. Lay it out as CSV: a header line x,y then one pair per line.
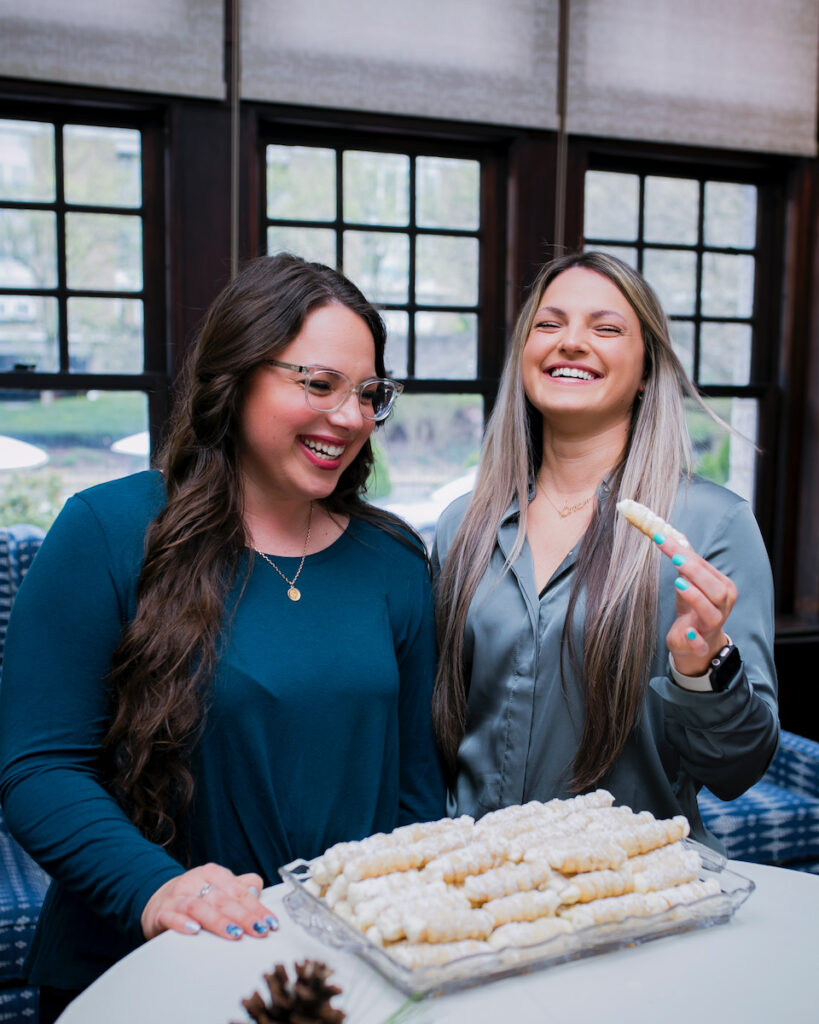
x,y
763,965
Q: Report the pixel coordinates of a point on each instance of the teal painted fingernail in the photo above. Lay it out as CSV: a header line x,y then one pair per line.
x,y
273,922
254,892
691,634
679,559
260,928
680,583
234,931
193,927
659,538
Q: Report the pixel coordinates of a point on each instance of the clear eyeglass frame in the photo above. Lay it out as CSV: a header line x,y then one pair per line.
x,y
341,387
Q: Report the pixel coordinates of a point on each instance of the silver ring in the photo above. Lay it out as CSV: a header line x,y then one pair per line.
x,y
206,888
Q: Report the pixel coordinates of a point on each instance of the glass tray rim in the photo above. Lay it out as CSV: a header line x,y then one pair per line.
x,y
312,914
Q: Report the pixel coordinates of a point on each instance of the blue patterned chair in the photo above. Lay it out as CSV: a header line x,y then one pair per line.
x,y
777,820
22,882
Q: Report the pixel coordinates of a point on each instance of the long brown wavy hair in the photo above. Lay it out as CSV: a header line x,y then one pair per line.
x,y
161,669
616,565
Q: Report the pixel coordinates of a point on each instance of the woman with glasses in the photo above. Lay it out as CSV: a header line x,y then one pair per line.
x,y
220,666
575,651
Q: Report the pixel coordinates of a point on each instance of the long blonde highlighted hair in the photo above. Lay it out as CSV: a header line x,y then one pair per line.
x,y
620,581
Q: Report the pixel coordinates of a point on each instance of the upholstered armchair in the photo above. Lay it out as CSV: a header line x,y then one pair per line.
x,y
777,820
22,882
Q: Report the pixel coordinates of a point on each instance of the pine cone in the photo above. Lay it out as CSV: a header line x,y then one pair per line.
x,y
306,1001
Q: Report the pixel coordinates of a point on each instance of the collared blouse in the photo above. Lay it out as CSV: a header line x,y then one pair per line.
x,y
524,721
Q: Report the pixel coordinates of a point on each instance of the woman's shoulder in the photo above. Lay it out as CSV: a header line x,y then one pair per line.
x,y
452,516
391,538
705,509
697,495
127,503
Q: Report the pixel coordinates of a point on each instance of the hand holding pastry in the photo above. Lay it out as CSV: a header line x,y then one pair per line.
x,y
704,599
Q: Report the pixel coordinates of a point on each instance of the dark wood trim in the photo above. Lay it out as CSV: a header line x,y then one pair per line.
x,y
531,189
796,561
199,214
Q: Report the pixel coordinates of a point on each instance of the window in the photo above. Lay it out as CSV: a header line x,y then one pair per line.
x,y
75,369
695,238
408,226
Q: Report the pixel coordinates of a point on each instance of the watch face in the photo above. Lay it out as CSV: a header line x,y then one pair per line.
x,y
725,667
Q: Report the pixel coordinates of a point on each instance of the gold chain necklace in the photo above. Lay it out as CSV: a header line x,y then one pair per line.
x,y
293,592
567,509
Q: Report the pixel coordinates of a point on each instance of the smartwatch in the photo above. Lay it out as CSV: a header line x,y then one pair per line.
x,y
724,666
721,670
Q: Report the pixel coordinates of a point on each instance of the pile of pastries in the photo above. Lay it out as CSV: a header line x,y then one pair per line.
x,y
437,891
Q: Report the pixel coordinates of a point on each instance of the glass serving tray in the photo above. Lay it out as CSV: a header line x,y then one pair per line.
x,y
319,920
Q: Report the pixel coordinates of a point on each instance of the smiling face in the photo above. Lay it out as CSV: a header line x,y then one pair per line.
x,y
582,363
289,451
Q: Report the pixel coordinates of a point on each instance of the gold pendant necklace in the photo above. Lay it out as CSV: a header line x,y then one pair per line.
x,y
293,591
567,509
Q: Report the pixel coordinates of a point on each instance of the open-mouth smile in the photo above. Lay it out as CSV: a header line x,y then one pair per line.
x,y
326,451
571,373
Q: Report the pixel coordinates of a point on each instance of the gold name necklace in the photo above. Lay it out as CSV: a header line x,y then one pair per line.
x,y
567,509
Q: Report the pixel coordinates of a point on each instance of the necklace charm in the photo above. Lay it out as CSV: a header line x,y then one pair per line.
x,y
293,591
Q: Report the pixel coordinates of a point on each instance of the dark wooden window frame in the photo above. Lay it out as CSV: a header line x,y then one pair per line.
x,y
769,175
83,107
414,137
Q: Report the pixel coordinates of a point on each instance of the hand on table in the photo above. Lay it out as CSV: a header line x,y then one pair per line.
x,y
704,600
211,898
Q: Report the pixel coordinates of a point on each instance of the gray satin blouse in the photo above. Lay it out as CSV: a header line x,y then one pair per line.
x,y
523,726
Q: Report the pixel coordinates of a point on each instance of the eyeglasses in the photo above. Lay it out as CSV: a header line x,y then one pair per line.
x,y
327,390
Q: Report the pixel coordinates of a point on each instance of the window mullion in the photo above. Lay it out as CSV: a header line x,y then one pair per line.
x,y
62,262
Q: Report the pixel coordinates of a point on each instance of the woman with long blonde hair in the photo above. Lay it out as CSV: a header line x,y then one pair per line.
x,y
574,651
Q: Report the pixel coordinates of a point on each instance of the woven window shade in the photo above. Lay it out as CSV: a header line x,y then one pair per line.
x,y
471,60
734,73
165,46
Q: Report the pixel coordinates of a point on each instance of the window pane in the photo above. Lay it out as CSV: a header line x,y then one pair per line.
x,y
28,249
376,188
378,263
682,341
104,251
103,166
28,333
720,456
725,353
446,345
427,452
671,210
447,270
611,205
672,274
396,356
625,253
727,285
448,193
316,244
27,161
301,183
105,335
730,215
78,434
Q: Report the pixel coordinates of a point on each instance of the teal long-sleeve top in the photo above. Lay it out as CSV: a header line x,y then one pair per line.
x,y
318,723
